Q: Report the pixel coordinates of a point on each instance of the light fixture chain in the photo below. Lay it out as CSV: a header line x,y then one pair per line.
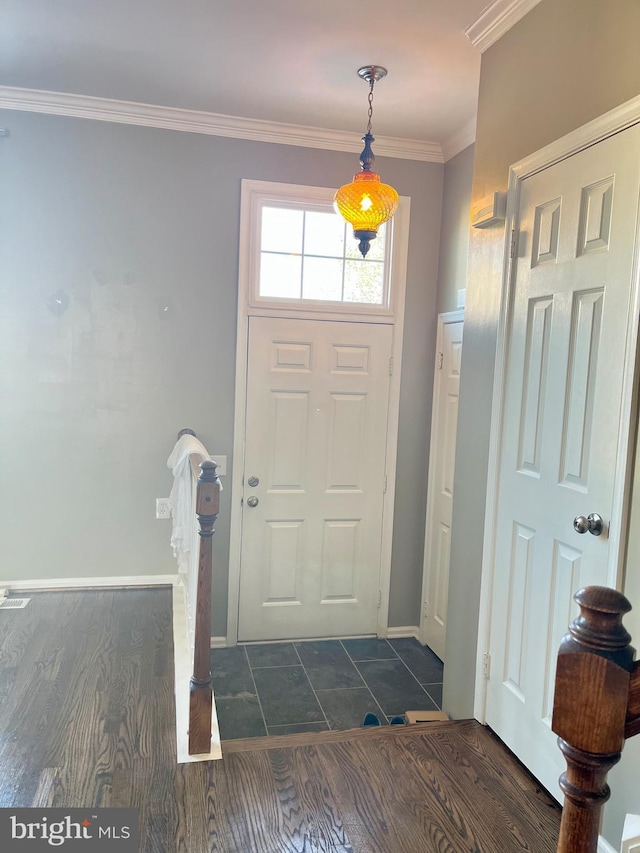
x,y
370,113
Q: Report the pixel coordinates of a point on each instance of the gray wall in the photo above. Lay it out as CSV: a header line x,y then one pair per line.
x,y
565,63
138,229
454,232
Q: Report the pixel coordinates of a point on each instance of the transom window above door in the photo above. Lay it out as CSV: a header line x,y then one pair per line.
x,y
311,254
302,255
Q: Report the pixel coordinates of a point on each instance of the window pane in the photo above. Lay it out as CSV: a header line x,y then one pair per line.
x,y
280,275
311,254
281,230
322,279
376,250
324,234
363,281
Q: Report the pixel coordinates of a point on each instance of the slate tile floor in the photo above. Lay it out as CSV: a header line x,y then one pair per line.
x,y
284,688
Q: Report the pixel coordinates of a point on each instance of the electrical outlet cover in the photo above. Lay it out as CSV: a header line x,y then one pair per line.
x,y
163,508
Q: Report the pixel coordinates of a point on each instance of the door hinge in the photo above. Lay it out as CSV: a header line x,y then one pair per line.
x,y
391,366
384,488
379,598
486,665
514,243
440,360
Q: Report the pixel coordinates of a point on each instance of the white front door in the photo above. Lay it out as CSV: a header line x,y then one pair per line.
x,y
314,478
442,454
563,427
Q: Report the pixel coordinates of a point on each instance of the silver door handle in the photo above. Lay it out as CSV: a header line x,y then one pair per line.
x,y
252,501
592,523
253,481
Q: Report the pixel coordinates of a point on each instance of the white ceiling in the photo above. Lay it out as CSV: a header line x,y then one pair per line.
x,y
290,61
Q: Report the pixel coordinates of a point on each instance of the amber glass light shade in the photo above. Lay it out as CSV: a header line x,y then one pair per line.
x,y
366,203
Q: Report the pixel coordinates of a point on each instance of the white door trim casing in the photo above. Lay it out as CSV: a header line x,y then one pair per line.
x,y
444,319
245,310
618,119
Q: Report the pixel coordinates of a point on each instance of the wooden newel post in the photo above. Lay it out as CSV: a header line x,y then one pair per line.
x,y
593,677
200,692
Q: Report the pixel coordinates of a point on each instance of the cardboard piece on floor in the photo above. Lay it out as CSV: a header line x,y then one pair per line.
x,y
425,716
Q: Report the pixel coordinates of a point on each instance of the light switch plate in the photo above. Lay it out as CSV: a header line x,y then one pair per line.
x,y
221,462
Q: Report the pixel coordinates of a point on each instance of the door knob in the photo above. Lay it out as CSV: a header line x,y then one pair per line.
x,y
252,501
592,523
253,481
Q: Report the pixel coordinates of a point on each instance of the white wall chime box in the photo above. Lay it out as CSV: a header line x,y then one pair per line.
x,y
491,210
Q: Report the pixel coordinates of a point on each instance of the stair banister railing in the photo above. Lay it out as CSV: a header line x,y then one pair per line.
x,y
200,688
596,707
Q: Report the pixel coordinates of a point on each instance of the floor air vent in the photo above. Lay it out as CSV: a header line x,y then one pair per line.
x,y
13,603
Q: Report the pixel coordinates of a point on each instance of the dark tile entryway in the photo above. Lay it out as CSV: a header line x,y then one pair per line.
x,y
285,688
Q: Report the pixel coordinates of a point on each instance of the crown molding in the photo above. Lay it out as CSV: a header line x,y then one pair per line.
x,y
461,139
496,19
210,124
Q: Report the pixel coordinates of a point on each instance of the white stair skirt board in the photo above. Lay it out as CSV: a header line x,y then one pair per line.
x,y
403,631
183,667
604,846
60,584
631,834
218,642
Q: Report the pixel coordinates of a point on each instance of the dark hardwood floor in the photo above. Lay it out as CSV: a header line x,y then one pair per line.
x,y
87,719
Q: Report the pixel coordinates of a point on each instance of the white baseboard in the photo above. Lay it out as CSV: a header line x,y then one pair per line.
x,y
403,631
59,584
218,642
604,846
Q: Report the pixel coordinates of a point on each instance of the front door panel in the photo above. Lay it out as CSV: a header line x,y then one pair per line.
x,y
317,401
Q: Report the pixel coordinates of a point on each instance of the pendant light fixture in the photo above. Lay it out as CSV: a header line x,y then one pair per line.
x,y
366,202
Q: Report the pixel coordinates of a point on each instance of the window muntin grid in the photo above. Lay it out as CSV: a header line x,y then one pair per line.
x,y
309,254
